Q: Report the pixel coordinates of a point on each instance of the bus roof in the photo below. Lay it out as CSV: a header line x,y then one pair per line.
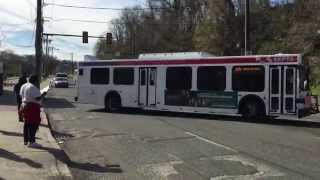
x,y
292,59
179,55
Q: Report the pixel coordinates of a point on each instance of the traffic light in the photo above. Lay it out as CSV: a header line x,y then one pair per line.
x,y
85,37
109,38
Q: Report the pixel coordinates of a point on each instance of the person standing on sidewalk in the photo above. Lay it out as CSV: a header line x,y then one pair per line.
x,y
31,97
17,87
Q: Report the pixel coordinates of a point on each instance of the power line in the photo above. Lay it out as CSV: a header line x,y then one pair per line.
x,y
112,22
101,8
78,20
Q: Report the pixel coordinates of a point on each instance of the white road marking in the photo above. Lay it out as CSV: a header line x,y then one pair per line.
x,y
262,169
211,142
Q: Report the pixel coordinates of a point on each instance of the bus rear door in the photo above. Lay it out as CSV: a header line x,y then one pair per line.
x,y
147,86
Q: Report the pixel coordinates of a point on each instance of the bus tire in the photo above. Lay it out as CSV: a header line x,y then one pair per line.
x,y
113,102
252,109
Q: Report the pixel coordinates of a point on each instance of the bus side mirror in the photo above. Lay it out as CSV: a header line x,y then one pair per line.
x,y
305,85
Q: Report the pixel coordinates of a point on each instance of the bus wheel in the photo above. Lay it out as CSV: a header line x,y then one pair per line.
x,y
113,103
251,110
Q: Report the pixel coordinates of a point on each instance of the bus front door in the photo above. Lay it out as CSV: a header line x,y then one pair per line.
x,y
147,86
282,90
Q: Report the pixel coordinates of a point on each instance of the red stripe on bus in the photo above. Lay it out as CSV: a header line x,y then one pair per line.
x,y
289,59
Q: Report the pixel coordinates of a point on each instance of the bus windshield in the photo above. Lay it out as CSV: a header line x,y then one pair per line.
x,y
304,84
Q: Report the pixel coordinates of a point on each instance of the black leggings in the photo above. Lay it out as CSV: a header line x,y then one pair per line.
x,y
29,132
19,102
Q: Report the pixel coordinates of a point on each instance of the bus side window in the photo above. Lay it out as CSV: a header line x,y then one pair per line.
x,y
123,76
143,77
99,76
80,72
179,78
211,78
248,78
152,77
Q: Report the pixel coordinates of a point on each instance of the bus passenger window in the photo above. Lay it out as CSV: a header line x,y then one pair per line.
x,y
179,78
143,77
99,76
212,78
152,77
123,76
248,78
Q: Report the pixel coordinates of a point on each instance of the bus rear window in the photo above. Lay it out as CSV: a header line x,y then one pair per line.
x,y
248,78
123,76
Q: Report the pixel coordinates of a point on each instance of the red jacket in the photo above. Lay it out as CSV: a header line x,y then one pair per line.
x,y
31,113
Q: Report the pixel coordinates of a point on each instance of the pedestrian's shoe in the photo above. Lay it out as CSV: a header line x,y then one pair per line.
x,y
34,145
25,143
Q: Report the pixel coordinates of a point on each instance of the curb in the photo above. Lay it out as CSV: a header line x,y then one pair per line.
x,y
62,168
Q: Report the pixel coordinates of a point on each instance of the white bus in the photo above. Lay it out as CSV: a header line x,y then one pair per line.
x,y
252,86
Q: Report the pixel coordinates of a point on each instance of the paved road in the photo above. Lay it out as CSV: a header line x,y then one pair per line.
x,y
157,145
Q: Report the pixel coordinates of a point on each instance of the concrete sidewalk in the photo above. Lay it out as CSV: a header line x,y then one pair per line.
x,y
18,161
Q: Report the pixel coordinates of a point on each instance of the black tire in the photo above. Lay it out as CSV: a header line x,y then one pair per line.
x,y
113,103
252,110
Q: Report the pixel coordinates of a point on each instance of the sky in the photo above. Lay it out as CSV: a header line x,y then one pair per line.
x,y
17,24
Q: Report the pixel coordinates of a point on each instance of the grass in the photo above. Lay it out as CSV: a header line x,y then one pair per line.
x,y
315,90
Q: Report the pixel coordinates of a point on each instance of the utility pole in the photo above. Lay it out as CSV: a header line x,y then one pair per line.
x,y
45,62
72,67
247,28
38,43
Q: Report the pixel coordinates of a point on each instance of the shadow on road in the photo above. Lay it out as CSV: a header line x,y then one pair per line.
x,y
62,156
189,116
57,103
9,155
7,133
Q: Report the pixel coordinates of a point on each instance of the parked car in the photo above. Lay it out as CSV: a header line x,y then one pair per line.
x,y
60,82
61,75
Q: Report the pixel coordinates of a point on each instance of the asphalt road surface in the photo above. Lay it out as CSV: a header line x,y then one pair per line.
x,y
138,145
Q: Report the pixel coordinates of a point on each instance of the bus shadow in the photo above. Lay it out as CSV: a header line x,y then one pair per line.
x,y
191,116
